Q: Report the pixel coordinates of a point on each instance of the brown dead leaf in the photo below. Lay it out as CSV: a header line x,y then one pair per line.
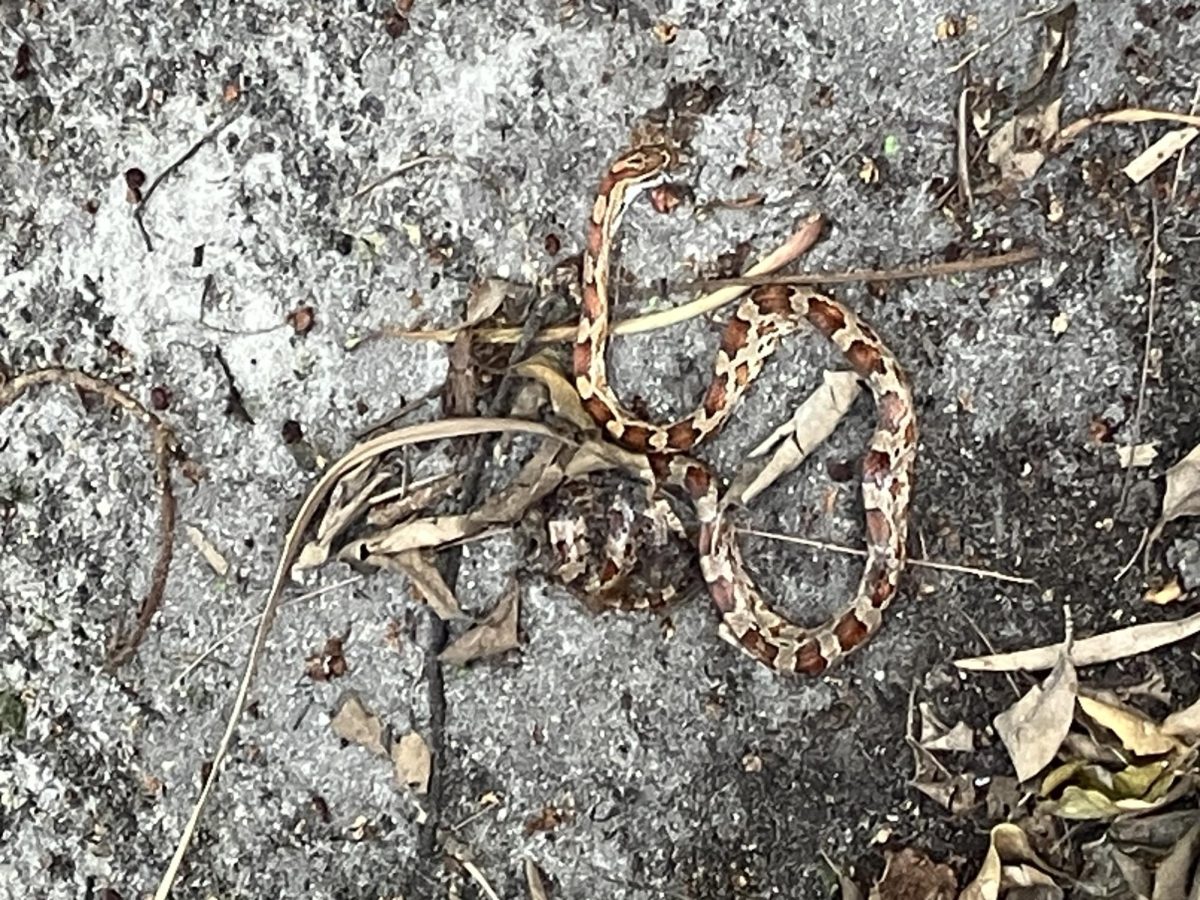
x,y
484,299
428,585
1034,727
547,818
1183,492
1020,146
494,635
355,723
1102,648
412,762
937,735
330,663
911,875
1168,593
1010,863
1138,733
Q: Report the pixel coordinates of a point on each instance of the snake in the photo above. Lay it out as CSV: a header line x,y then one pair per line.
x,y
750,336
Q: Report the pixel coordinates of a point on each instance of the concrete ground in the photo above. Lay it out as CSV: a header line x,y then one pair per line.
x,y
626,763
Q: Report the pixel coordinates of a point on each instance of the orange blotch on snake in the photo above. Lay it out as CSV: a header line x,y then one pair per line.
x,y
910,434
897,488
882,592
742,374
826,317
592,307
809,659
876,467
609,572
714,397
636,438
594,238
581,355
865,358
892,409
760,648
733,338
773,299
682,435
598,410
721,591
879,531
849,631
697,480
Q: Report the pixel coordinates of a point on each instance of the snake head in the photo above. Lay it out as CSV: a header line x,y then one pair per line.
x,y
645,163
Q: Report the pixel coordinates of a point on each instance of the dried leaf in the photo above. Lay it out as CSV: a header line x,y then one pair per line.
x,y
412,762
910,874
494,635
427,583
1168,593
1175,877
534,882
461,389
1101,648
1136,456
347,499
1101,794
484,299
353,722
564,399
1034,727
1159,152
390,507
1010,862
1183,491
937,735
1183,723
1137,733
814,420
208,550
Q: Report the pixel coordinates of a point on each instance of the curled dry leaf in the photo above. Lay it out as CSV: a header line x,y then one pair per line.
x,y
1034,727
1102,648
494,635
1137,733
1168,593
1183,492
911,874
484,299
937,735
1184,723
355,723
427,583
564,399
1010,863
814,420
1085,791
412,762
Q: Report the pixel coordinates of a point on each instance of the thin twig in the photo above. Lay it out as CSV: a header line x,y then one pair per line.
x,y
212,132
122,646
927,270
963,154
924,563
246,623
400,170
1151,307
1182,157
800,242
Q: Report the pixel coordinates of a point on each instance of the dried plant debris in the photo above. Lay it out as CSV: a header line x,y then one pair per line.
x,y
1112,645
428,585
331,662
1035,726
1011,869
496,634
1171,143
534,882
356,724
412,762
1183,492
952,791
1018,146
910,874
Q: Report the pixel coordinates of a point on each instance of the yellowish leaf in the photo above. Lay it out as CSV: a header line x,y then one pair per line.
x,y
1137,733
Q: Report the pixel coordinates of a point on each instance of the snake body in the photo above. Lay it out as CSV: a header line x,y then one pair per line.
x,y
751,335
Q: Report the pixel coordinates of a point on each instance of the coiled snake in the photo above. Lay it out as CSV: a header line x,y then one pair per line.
x,y
749,338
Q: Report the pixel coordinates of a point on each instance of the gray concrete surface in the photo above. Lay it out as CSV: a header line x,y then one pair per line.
x,y
643,739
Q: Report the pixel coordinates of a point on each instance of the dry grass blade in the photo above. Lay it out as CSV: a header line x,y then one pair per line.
x,y
534,882
390,507
1101,648
347,499
798,243
1130,116
814,421
1148,161
413,434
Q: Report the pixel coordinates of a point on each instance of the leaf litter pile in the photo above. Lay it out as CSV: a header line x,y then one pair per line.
x,y
1099,797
